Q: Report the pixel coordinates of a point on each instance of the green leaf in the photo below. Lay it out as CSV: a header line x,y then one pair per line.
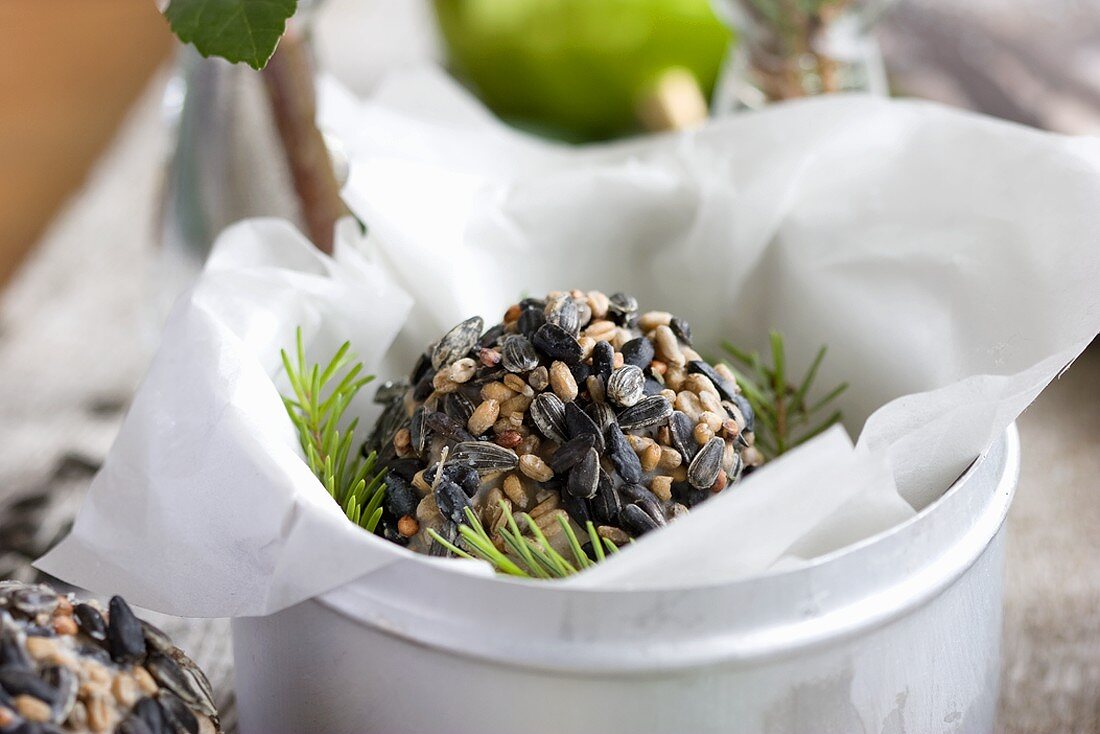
x,y
236,30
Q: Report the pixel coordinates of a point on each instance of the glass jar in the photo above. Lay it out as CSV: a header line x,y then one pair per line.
x,y
798,48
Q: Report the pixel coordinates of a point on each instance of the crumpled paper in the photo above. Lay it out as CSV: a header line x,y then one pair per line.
x,y
947,260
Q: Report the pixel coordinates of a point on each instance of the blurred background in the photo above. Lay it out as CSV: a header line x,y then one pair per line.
x,y
120,157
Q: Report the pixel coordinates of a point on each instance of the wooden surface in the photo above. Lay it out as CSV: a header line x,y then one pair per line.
x,y
69,69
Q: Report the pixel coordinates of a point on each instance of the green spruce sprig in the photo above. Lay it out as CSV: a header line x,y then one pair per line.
x,y
528,557
784,416
321,397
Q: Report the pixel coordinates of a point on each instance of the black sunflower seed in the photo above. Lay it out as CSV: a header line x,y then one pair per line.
x,y
11,651
606,504
580,373
389,391
18,681
652,386
530,319
626,386
704,468
65,682
485,456
452,501
578,422
584,477
405,468
446,427
424,388
457,342
517,354
621,303
548,413
91,621
418,430
401,499
422,367
649,411
153,715
725,388
133,724
530,302
177,713
745,407
491,337
626,462
458,407
636,521
557,343
459,472
125,639
602,415
603,360
680,429
576,508
638,352
570,452
681,329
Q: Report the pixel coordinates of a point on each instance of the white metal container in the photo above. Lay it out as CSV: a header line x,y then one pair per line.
x,y
899,633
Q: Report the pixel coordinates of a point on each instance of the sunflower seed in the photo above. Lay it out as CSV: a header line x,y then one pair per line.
x,y
132,724
624,459
457,342
749,414
636,521
19,681
577,422
485,456
638,352
562,311
458,407
603,360
602,415
179,716
400,499
153,716
418,430
606,505
639,496
621,303
389,391
125,638
65,682
681,329
704,468
648,411
446,427
725,388
422,367
577,508
491,337
530,319
681,430
548,412
585,476
626,386
451,500
557,343
518,355
570,452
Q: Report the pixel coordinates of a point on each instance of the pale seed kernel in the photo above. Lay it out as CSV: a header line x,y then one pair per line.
x,y
529,445
41,648
562,382
125,690
712,419
700,384
515,404
652,319
548,523
662,487
595,388
690,354
638,443
497,391
675,376
651,457
616,535
31,708
669,395
668,346
539,379
688,403
420,482
670,458
729,456
483,417
442,382
725,372
144,681
550,503
710,402
658,367
752,456
515,418
617,360
463,370
535,468
664,436
402,440
515,383
679,474
599,303
587,345
621,337
601,331
100,716
64,625
513,487
730,429
702,434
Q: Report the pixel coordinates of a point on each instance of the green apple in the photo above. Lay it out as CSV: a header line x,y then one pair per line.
x,y
578,69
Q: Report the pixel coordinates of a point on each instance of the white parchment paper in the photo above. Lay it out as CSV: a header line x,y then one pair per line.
x,y
949,261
